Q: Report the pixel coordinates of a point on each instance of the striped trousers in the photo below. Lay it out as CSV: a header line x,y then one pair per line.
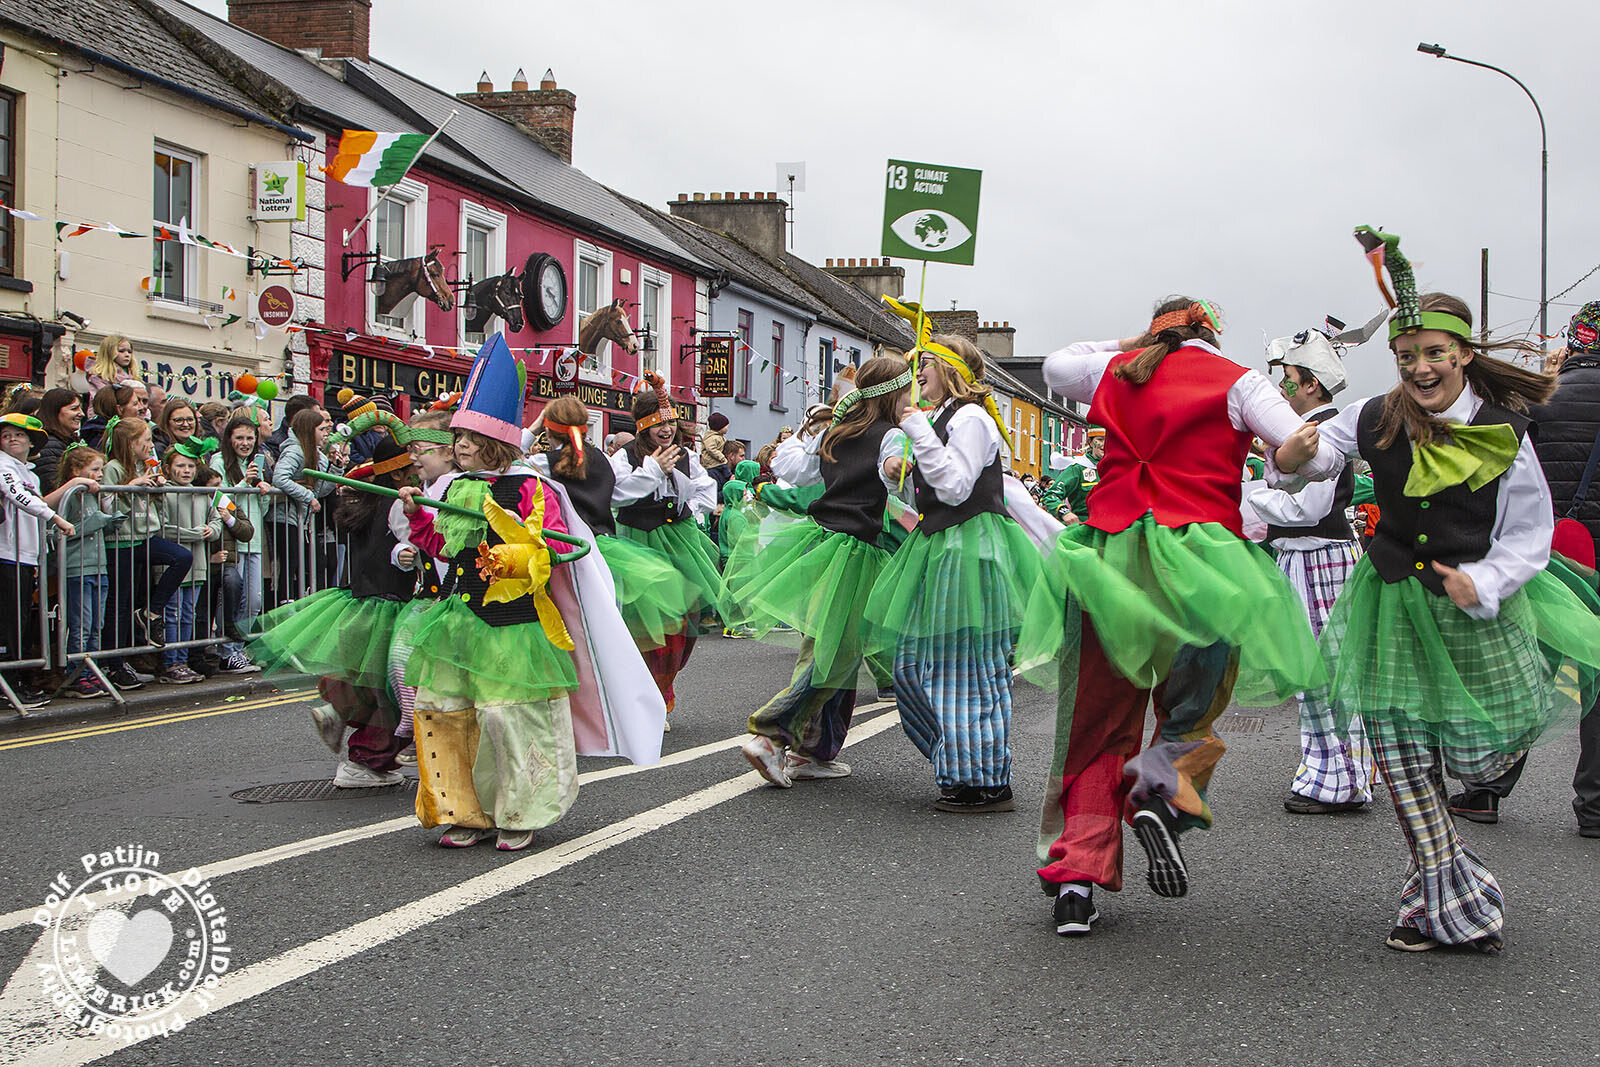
x,y
954,692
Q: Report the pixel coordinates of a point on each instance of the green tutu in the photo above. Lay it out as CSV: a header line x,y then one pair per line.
x,y
970,580
460,657
689,549
1151,590
651,593
815,582
1398,652
329,632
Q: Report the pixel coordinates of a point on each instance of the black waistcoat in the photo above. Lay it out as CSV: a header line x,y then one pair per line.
x,y
853,493
368,552
464,579
1451,526
591,494
650,512
988,492
1333,526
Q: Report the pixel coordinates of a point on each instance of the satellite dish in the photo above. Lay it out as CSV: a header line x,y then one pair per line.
x,y
791,172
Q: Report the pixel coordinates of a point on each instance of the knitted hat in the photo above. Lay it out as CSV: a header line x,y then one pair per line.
x,y
718,422
646,414
353,405
1583,334
491,404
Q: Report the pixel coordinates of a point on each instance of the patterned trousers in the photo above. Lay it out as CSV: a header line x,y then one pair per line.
x,y
665,663
1449,894
805,719
1335,768
954,692
1100,768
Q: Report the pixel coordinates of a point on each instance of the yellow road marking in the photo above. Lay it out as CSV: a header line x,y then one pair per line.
x,y
161,719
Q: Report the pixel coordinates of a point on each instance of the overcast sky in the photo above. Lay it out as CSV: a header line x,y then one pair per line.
x,y
1129,148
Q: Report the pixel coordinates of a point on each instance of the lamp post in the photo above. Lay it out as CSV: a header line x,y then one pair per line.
x,y
1439,52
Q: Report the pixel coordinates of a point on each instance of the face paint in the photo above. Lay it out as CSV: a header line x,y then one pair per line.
x,y
1289,388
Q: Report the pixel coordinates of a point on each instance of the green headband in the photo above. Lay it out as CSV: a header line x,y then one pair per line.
x,y
850,399
432,437
1432,320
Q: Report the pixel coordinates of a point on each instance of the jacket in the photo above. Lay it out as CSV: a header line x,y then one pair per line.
x,y
1564,431
86,549
250,506
188,519
143,509
295,505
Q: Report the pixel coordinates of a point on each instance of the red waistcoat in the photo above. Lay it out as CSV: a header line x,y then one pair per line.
x,y
1170,447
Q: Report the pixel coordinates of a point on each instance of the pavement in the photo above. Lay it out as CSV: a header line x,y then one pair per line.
x,y
690,914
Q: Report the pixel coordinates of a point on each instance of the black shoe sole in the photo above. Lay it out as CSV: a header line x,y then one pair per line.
x,y
1487,818
1168,876
1397,940
957,807
1077,929
1322,807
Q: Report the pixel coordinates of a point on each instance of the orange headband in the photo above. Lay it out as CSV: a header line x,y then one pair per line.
x,y
1198,313
657,417
574,432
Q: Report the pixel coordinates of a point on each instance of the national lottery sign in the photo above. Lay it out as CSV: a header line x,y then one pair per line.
x,y
930,212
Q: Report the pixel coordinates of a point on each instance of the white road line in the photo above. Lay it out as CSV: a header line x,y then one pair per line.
x,y
237,987
293,849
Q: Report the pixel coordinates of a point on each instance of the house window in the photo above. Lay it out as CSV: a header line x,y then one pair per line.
x,y
741,363
777,364
484,256
476,247
594,292
655,303
174,265
8,181
825,355
399,231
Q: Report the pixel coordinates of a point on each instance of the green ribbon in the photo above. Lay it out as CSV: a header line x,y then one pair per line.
x,y
1476,455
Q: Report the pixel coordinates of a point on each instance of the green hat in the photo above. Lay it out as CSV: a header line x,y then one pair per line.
x,y
27,424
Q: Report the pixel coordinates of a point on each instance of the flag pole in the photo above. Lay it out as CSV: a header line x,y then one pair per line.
x,y
390,187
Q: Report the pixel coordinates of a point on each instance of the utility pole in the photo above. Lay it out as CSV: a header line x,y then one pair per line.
x,y
1483,301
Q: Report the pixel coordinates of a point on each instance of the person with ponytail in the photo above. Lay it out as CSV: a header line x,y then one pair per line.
x,y
660,488
947,606
1157,594
814,576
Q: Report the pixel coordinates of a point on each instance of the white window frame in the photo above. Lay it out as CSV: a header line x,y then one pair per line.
x,y
663,283
414,195
591,432
582,250
495,222
191,253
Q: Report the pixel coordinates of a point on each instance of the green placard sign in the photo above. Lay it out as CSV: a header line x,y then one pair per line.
x,y
930,211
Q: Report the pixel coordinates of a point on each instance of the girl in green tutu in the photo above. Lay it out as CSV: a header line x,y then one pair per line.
x,y
947,606
1158,595
814,576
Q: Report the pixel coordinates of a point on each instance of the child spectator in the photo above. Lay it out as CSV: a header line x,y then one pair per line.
x,y
189,520
85,563
243,465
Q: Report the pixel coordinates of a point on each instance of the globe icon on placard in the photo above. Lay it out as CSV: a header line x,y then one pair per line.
x,y
931,231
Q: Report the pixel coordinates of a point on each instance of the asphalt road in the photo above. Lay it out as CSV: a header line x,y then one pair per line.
x,y
688,914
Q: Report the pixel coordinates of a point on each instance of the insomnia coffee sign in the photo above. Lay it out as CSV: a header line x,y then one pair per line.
x,y
930,212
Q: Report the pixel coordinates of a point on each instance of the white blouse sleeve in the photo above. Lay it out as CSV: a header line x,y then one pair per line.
x,y
1256,405
634,483
1075,371
797,460
1337,440
699,489
1519,546
952,467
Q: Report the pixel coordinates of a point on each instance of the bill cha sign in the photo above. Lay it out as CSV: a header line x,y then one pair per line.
x,y
930,212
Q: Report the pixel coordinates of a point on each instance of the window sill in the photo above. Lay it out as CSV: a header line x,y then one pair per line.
x,y
746,401
164,309
16,285
779,408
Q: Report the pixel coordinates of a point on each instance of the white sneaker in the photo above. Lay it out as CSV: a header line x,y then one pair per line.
x,y
801,767
351,775
513,840
767,759
330,727
463,836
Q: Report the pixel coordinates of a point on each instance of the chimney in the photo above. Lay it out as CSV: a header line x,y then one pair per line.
x,y
484,84
875,277
999,339
334,29
758,221
960,323
546,113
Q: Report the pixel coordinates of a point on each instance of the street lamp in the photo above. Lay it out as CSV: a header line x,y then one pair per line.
x,y
1437,51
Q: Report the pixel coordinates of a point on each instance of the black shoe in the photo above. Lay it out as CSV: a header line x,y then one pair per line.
x,y
1476,805
124,678
1407,939
1589,831
1157,830
974,798
1299,805
153,625
28,697
1074,914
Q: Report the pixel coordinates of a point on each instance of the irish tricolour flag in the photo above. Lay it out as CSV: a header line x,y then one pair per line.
x,y
368,158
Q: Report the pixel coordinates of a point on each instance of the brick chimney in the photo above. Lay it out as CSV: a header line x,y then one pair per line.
x,y
875,277
758,220
999,339
960,323
546,112
334,29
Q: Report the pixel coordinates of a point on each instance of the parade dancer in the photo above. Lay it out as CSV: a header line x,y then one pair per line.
x,y
660,489
1158,595
1069,493
948,604
1452,639
814,576
1316,551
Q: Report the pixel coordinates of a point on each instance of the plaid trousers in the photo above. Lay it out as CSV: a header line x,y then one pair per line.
x,y
954,692
1335,768
1449,894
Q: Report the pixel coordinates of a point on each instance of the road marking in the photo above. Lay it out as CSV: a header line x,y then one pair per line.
x,y
166,718
239,986
294,849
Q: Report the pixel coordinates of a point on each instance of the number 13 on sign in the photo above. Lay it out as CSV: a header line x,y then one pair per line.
x,y
897,176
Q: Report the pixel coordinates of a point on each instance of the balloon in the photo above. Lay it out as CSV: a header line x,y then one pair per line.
x,y
245,383
81,358
267,390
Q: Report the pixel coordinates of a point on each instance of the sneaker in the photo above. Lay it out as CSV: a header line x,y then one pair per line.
x,y
124,677
970,799
408,757
28,697
86,687
800,767
239,663
1476,805
1589,831
513,840
352,775
1296,804
767,759
1407,939
179,674
1157,830
1074,914
330,727
154,626
463,836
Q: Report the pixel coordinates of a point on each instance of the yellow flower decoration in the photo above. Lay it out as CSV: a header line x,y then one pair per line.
x,y
521,566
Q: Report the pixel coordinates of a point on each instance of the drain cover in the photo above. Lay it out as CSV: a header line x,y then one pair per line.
x,y
319,789
1240,724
